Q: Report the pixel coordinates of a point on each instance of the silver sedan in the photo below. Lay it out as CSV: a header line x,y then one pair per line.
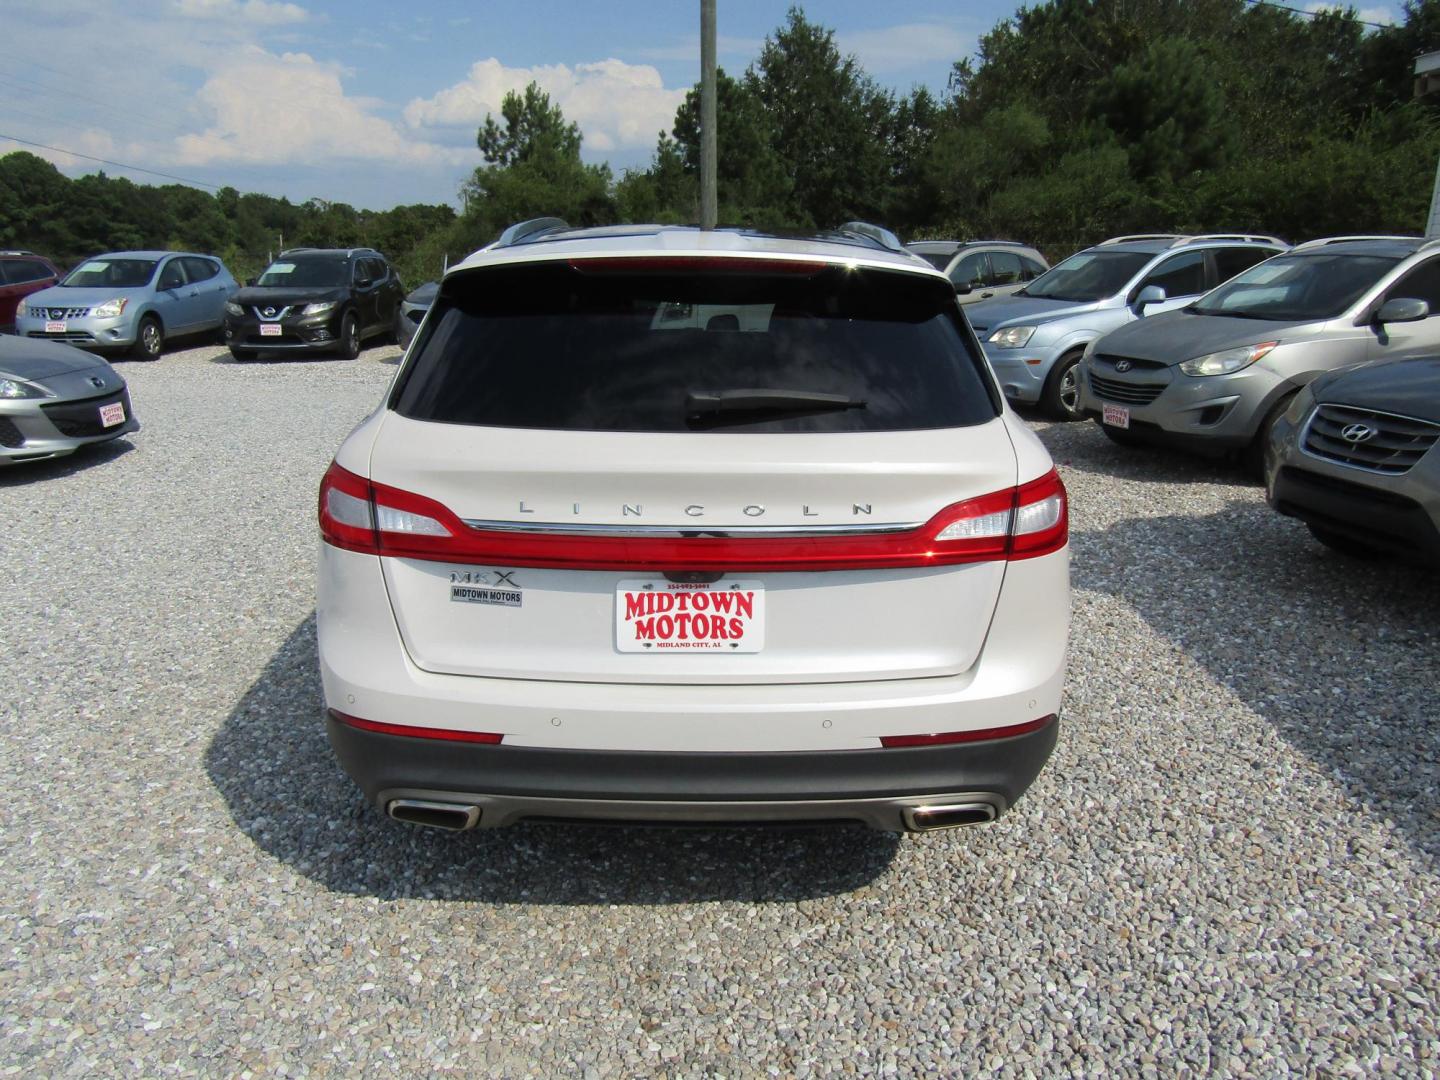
x,y
54,399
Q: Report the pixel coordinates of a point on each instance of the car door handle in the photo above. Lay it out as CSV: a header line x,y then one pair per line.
x,y
986,295
194,292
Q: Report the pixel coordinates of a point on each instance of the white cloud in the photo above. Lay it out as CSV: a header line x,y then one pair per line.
x,y
1381,15
909,45
616,104
255,12
272,109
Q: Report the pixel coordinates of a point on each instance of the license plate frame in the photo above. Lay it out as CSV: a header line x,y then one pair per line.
x,y
55,328
112,414
1116,416
664,617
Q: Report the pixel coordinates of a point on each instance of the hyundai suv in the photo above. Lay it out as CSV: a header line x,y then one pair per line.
x,y
661,524
1034,340
1214,375
315,299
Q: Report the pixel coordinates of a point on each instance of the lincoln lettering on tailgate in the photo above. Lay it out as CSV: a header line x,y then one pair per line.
x,y
669,616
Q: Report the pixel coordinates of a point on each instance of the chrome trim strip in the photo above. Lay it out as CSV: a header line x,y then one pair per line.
x,y
695,530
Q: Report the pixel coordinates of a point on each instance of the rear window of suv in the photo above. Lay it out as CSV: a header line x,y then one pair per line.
x,y
670,346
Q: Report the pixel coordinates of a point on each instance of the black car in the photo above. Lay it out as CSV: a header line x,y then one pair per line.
x,y
315,298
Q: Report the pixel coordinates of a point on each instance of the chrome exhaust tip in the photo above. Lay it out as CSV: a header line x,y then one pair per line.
x,y
948,816
453,817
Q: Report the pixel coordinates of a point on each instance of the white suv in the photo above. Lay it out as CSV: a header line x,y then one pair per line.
x,y
659,524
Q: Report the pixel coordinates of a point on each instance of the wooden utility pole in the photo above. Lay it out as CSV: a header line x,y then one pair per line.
x,y
709,204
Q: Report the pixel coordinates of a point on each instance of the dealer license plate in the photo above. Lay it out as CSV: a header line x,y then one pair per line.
x,y
669,617
270,330
55,328
112,414
1116,416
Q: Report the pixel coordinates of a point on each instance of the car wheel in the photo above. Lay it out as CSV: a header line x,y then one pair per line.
x,y
243,354
1061,396
350,337
1341,543
1119,436
149,339
1252,458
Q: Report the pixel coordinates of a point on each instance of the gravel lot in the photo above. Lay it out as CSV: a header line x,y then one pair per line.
x,y
1229,867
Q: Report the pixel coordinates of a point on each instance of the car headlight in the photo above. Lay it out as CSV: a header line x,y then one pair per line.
x,y
1012,337
11,389
1227,360
110,308
232,308
320,308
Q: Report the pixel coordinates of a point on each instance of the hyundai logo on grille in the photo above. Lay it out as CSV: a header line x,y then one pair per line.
x,y
1357,433
1123,366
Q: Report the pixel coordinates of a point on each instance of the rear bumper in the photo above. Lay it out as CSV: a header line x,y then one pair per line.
x,y
513,783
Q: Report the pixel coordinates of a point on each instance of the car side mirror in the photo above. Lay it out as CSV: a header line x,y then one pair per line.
x,y
963,288
250,282
364,283
1402,309
1150,294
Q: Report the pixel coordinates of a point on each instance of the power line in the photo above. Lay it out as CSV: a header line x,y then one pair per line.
x,y
1314,14
107,161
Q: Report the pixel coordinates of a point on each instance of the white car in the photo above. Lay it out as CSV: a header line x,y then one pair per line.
x,y
598,558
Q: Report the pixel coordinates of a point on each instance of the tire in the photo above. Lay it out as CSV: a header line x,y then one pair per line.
x,y
243,354
1119,436
1252,458
1060,399
350,336
149,339
1338,542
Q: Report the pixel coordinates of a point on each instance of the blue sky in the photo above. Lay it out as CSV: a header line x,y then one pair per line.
x,y
376,103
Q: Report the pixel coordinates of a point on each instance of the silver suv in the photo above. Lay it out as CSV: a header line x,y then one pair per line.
x,y
982,269
1215,374
1035,338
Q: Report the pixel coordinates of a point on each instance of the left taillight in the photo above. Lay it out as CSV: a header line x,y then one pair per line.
x,y
358,515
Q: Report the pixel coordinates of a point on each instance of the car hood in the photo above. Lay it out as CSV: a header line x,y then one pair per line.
x,y
1021,310
1173,337
37,360
423,295
1406,387
283,296
60,296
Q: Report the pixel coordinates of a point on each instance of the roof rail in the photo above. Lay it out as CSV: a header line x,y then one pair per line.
x,y
1250,238
1140,236
863,230
522,231
298,250
1325,241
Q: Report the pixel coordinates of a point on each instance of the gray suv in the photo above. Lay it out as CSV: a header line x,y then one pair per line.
x,y
1214,375
982,269
1354,458
1035,338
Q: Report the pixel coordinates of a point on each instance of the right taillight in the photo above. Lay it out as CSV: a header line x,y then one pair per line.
x,y
1017,523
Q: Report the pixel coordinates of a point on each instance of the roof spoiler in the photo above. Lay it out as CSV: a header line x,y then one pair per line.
x,y
524,231
874,234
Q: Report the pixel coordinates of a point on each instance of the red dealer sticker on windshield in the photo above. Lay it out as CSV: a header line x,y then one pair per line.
x,y
668,616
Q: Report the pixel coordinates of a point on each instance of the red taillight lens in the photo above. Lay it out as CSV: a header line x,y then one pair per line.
x,y
1018,523
978,735
445,734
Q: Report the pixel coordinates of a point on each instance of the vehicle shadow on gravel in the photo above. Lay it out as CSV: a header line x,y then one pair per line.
x,y
1340,656
272,763
89,457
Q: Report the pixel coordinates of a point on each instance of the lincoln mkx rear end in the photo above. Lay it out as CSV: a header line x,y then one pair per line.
x,y
693,527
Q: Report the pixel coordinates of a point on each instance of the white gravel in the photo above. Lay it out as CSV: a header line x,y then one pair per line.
x,y
1230,866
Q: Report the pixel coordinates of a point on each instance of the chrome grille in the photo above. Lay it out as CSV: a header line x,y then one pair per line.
x,y
276,313
1125,393
56,314
1377,442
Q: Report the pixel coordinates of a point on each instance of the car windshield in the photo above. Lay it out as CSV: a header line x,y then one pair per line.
x,y
114,273
1297,287
1089,275
811,349
307,272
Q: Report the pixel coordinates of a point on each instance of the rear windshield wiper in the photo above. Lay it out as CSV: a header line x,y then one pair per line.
x,y
713,402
